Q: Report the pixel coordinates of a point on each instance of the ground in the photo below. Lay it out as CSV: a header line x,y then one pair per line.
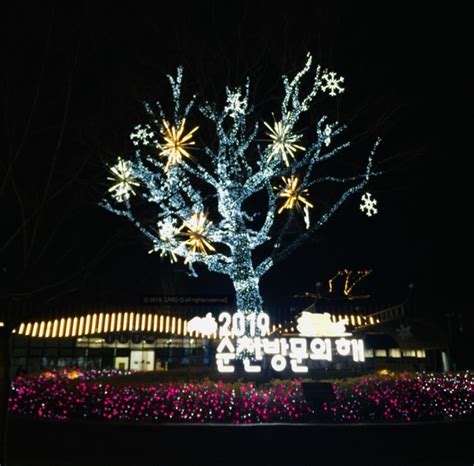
x,y
35,443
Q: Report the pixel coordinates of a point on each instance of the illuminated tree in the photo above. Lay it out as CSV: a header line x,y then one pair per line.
x,y
191,198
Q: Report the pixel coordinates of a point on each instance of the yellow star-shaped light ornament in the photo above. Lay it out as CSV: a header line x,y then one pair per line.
x,y
283,141
123,179
293,194
176,143
196,230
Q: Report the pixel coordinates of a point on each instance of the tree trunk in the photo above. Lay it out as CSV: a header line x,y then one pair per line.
x,y
247,295
244,278
4,388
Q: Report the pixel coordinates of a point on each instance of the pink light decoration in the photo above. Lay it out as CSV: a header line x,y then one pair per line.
x,y
63,397
403,397
67,394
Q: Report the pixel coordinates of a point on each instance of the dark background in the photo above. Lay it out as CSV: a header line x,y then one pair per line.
x,y
73,81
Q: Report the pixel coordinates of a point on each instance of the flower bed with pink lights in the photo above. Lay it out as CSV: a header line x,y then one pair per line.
x,y
73,394
386,397
402,397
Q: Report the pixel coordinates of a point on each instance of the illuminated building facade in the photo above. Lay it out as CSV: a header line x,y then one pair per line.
x,y
149,338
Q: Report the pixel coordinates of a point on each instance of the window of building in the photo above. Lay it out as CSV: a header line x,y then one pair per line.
x,y
394,353
409,353
421,353
368,353
380,353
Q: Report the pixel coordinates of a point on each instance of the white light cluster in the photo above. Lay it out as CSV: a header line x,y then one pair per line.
x,y
212,186
316,325
205,326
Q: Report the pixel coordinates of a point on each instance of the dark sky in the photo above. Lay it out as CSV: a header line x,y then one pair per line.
x,y
98,62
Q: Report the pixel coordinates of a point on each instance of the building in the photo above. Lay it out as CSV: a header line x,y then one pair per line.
x,y
155,337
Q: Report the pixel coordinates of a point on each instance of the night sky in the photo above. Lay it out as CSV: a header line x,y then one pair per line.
x,y
73,82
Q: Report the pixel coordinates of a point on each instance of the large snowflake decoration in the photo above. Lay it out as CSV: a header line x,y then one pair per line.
x,y
235,104
368,205
283,141
167,231
333,84
295,196
196,229
124,180
176,145
143,134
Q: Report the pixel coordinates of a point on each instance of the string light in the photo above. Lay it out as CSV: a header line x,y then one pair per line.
x,y
350,280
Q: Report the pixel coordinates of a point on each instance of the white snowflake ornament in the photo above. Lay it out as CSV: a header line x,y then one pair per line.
x,y
167,229
143,134
368,205
333,83
235,105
